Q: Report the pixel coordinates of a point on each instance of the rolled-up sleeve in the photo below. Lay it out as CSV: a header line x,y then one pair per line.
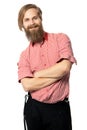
x,y
65,48
24,67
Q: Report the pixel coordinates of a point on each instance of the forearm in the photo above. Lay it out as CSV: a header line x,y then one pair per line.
x,y
47,76
33,84
56,71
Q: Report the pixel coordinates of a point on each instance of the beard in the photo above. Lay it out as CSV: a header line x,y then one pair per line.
x,y
35,35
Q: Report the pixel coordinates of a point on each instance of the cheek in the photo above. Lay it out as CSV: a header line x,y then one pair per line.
x,y
39,22
25,25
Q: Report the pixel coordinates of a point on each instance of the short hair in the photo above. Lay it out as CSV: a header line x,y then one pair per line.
x,y
22,12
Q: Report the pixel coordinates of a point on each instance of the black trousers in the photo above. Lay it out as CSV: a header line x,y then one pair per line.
x,y
43,116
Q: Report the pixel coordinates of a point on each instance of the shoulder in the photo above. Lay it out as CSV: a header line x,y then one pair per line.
x,y
25,52
61,35
62,39
58,35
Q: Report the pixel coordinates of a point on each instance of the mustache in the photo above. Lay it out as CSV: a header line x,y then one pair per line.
x,y
32,26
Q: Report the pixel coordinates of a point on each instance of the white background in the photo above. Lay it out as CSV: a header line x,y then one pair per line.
x,y
68,16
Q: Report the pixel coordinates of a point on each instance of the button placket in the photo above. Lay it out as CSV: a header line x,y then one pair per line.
x,y
43,56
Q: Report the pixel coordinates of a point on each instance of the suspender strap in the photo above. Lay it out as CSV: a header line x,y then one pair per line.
x,y
27,96
25,124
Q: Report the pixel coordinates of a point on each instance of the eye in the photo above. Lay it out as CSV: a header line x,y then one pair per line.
x,y
26,19
35,18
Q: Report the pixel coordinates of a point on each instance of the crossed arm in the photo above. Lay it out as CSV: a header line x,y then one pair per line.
x,y
46,77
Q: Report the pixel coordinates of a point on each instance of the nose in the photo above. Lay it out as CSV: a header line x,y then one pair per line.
x,y
32,22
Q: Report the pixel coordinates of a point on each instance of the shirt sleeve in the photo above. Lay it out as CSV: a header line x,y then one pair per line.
x,y
65,48
24,67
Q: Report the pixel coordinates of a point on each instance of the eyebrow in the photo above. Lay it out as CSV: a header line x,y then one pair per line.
x,y
26,18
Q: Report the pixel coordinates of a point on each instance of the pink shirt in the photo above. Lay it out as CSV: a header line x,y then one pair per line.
x,y
41,56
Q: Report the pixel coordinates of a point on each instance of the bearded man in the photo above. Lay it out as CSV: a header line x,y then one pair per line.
x,y
44,71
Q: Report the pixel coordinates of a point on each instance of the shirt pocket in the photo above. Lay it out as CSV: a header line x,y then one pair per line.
x,y
53,53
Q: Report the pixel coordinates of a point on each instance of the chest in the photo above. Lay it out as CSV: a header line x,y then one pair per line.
x,y
43,56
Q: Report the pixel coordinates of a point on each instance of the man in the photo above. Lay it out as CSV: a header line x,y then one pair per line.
x,y
44,71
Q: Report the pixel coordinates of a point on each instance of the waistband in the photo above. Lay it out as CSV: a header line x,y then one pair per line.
x,y
28,96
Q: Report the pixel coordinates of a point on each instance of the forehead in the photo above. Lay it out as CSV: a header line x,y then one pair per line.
x,y
31,13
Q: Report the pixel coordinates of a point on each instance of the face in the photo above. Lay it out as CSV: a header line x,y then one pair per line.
x,y
33,25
